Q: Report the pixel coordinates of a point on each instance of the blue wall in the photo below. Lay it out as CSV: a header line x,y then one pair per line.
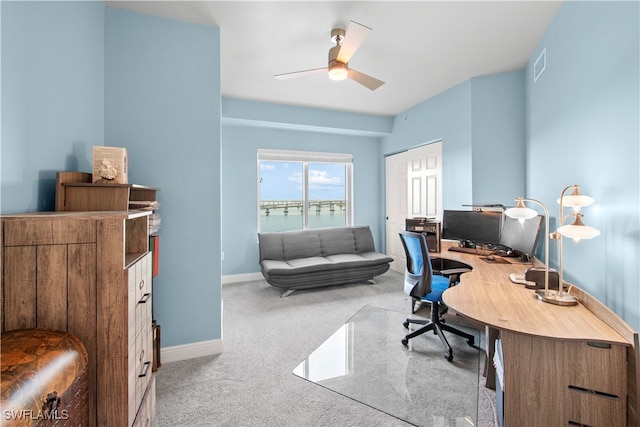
x,y
90,77
446,116
77,74
498,137
250,125
583,116
162,101
482,126
52,97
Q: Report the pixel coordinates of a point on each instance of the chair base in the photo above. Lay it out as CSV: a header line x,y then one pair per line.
x,y
436,325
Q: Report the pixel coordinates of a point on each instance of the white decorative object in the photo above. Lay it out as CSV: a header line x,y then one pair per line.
x,y
110,165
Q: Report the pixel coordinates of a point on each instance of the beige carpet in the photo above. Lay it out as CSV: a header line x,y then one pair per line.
x,y
265,337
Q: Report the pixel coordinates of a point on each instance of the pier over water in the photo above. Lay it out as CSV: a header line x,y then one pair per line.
x,y
295,206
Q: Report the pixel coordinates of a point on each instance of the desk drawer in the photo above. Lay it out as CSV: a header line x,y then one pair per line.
x,y
598,367
596,410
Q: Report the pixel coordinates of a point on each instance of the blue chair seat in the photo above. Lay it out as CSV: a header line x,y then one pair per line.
x,y
422,285
439,284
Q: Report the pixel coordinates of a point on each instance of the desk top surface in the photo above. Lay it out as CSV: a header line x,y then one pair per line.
x,y
487,295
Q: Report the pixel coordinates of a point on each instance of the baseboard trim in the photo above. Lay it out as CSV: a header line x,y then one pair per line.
x,y
237,278
191,351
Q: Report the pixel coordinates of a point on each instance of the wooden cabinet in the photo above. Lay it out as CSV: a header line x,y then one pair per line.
x,y
562,365
87,273
563,383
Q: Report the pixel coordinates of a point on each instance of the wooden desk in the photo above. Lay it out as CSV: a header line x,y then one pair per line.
x,y
562,365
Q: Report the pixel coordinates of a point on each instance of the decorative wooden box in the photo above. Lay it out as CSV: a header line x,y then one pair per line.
x,y
76,192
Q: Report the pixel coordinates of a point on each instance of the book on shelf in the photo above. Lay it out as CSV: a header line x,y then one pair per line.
x,y
149,205
154,223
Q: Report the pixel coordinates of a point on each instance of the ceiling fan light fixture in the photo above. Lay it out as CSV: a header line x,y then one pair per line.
x,y
338,71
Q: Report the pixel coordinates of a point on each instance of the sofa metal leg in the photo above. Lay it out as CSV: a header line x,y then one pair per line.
x,y
287,293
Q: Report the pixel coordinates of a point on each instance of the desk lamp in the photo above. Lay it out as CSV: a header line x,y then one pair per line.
x,y
577,231
523,213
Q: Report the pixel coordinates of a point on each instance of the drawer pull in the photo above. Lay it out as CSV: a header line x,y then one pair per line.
x,y
594,392
146,370
145,298
141,284
598,344
141,355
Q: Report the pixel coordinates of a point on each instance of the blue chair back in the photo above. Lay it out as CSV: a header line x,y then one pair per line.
x,y
418,275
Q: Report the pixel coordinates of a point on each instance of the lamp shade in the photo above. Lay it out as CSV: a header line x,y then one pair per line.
x,y
578,230
575,200
520,211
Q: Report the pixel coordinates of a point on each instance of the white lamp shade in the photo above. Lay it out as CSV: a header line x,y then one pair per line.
x,y
578,232
521,213
576,201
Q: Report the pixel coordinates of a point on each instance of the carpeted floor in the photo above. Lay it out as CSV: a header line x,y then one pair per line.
x,y
265,337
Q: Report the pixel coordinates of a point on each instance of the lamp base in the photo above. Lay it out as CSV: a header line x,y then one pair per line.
x,y
554,298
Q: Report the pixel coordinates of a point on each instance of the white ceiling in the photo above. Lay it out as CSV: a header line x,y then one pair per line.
x,y
419,48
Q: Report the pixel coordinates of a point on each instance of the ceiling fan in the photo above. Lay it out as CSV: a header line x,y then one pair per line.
x,y
347,42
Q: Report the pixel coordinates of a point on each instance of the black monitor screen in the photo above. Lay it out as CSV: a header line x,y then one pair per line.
x,y
521,238
475,226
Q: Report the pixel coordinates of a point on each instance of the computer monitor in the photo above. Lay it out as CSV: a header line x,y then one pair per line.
x,y
475,226
521,238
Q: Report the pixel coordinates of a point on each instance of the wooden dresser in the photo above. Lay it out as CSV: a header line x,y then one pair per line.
x,y
89,274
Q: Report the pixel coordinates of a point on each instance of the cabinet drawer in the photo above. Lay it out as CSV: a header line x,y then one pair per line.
x,y
48,231
132,398
596,410
143,276
144,356
592,365
146,414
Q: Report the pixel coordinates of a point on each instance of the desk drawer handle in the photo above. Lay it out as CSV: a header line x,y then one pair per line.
x,y
594,392
146,370
145,298
141,284
598,344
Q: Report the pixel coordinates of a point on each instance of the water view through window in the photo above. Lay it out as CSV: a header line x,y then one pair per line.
x,y
282,190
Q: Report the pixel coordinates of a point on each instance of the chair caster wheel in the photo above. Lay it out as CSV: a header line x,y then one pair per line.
x,y
406,324
405,342
449,356
471,341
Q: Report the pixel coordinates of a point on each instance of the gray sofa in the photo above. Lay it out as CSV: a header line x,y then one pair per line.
x,y
307,259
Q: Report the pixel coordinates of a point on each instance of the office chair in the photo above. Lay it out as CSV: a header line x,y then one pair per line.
x,y
422,285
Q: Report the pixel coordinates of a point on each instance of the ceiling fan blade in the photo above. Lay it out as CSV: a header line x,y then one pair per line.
x,y
353,38
287,76
365,80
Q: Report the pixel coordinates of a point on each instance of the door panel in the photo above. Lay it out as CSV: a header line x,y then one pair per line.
x,y
396,205
413,189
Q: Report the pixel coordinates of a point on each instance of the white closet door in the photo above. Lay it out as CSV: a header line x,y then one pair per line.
x,y
413,189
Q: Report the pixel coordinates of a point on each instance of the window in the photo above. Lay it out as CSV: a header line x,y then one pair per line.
x,y
299,190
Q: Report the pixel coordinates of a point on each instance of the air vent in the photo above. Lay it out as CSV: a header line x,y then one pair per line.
x,y
540,65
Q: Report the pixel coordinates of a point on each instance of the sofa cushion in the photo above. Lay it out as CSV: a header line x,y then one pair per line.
x,y
339,262
301,245
337,241
315,242
364,239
